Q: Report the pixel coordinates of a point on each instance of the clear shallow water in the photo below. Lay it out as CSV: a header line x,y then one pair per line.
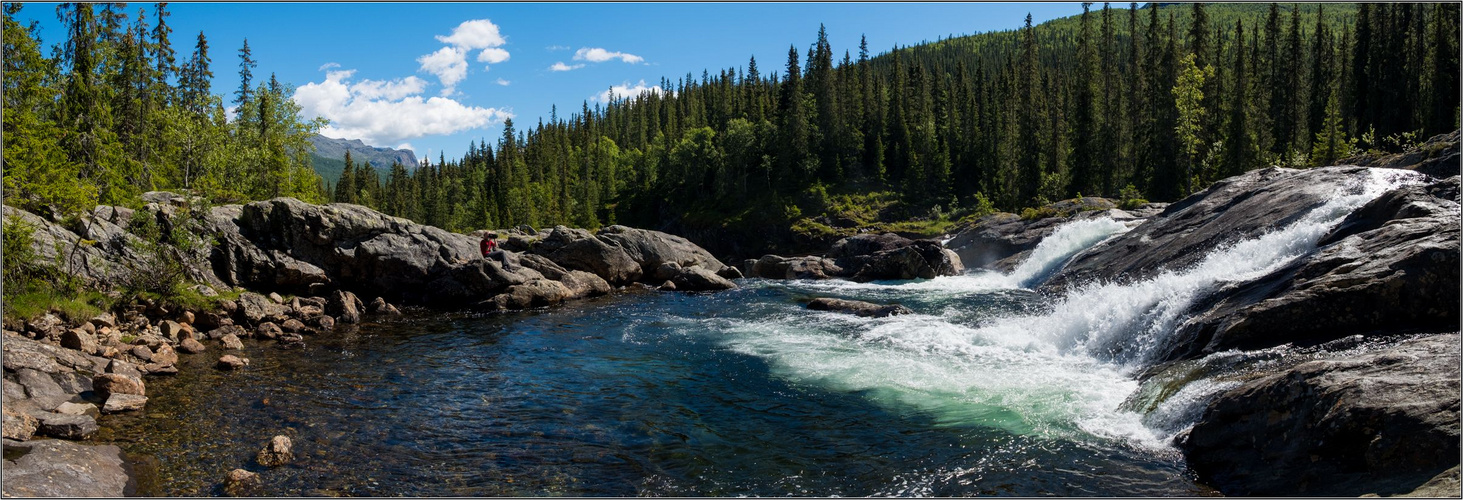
x,y
988,389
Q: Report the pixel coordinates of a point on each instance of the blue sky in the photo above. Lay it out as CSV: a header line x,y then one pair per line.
x,y
434,76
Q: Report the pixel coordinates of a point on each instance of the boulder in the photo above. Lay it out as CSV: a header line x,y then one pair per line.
x,y
191,346
668,286
63,426
18,426
579,250
650,249
160,369
266,330
1364,421
107,384
239,482
730,273
857,307
698,279
809,267
537,293
78,339
226,330
579,283
52,468
164,355
123,402
324,322
276,453
170,329
124,368
292,325
232,343
920,259
345,306
231,362
256,308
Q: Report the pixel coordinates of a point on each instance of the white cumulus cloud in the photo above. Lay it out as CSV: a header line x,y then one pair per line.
x,y
625,90
560,66
474,34
386,113
449,64
601,55
503,82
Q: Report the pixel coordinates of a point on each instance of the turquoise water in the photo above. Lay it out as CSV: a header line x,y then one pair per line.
x,y
736,393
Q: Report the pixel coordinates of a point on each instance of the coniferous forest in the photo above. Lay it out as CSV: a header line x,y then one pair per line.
x,y
1138,103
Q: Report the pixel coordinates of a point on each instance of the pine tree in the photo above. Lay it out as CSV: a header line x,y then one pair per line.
x,y
246,74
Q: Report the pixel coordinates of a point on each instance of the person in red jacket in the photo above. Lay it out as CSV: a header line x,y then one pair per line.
x,y
489,247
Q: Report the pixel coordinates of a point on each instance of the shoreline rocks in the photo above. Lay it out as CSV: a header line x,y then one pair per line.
x,y
857,307
863,258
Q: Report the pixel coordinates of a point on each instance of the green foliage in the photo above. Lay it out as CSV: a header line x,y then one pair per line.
x,y
1130,198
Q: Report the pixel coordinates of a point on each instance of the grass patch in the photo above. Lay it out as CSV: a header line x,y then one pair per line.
x,y
75,309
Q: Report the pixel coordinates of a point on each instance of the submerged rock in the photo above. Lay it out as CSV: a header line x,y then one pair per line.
x,y
1382,421
231,362
239,482
857,307
124,402
276,453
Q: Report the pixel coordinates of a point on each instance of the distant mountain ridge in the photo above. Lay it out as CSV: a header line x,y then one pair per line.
x,y
334,149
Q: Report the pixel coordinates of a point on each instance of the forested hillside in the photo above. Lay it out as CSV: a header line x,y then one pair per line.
x,y
1152,103
114,111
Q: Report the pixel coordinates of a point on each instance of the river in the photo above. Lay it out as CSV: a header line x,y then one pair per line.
x,y
988,389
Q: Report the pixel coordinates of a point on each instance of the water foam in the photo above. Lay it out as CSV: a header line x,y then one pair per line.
x,y
1063,372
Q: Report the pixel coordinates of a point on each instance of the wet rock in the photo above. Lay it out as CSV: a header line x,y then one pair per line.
x,y
191,346
18,426
380,306
232,343
78,339
697,279
239,482
231,362
666,271
52,468
857,307
809,267
345,306
63,426
107,384
276,453
920,259
669,286
536,293
160,369
1368,421
324,322
123,402
730,273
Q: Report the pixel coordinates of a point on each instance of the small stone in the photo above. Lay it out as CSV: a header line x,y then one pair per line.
x,y
160,369
292,326
187,333
121,367
205,290
668,286
226,330
78,339
232,342
104,320
18,426
229,306
191,346
123,402
186,317
232,362
276,453
268,330
63,426
164,355
89,328
240,482
142,352
108,384
170,329
69,408
109,352
276,298
325,323
290,338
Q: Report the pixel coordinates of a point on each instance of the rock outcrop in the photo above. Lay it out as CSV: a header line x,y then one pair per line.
x,y
865,257
1000,241
857,307
60,469
1383,421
